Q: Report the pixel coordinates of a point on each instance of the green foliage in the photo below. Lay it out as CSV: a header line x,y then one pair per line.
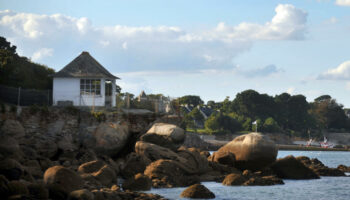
x,y
323,98
329,114
18,71
247,124
33,109
270,125
222,122
100,116
251,104
196,114
72,110
191,100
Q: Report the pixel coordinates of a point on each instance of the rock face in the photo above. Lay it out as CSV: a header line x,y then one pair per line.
x,y
198,191
109,138
223,157
134,164
195,162
234,179
169,173
138,182
290,168
11,169
344,168
319,168
165,135
98,170
9,148
155,152
252,151
12,128
63,179
82,194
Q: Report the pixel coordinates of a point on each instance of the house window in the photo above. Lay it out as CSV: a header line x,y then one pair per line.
x,y
90,86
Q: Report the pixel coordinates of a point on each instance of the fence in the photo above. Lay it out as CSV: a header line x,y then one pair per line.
x,y
25,97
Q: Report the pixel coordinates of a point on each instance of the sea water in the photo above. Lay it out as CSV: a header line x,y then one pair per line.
x,y
327,188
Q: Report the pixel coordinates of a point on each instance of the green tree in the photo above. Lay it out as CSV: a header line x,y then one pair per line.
x,y
18,71
191,100
328,113
298,113
222,122
196,114
247,124
250,103
270,125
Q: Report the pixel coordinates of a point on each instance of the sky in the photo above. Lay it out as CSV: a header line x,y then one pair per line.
x,y
210,48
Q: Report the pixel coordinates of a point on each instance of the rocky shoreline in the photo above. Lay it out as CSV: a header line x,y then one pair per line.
x,y
70,154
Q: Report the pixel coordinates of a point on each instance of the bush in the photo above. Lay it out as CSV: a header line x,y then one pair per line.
x,y
100,116
72,110
222,123
270,125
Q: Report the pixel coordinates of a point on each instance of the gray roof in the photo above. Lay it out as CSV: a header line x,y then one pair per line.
x,y
143,94
84,66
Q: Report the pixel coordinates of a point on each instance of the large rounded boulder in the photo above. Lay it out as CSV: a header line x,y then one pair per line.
x,y
11,169
234,179
12,128
138,182
59,178
169,173
134,164
252,151
98,170
165,135
291,168
197,191
108,138
155,152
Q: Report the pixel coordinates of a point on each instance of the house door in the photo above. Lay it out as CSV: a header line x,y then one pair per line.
x,y
108,93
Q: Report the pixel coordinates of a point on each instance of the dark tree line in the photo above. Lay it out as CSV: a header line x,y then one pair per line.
x,y
19,71
282,113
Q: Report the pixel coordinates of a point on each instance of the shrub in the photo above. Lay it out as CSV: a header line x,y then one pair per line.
x,y
100,116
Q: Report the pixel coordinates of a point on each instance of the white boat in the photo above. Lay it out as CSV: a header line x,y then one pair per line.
x,y
325,143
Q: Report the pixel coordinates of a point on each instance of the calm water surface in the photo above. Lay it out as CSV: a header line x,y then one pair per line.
x,y
327,188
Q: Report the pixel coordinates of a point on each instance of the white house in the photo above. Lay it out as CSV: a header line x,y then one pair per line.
x,y
84,82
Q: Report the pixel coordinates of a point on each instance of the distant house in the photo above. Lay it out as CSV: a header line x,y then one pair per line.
x,y
142,96
84,82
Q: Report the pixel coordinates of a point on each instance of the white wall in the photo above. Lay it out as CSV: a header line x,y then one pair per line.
x,y
68,89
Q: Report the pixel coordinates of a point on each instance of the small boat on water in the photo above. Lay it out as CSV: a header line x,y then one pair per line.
x,y
325,143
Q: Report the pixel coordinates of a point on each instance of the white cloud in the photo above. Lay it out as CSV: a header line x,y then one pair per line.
x,y
342,72
332,20
125,45
153,47
289,23
291,90
347,86
42,53
342,2
263,71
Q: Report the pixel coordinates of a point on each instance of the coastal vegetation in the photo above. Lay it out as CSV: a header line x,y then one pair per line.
x,y
283,113
19,71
